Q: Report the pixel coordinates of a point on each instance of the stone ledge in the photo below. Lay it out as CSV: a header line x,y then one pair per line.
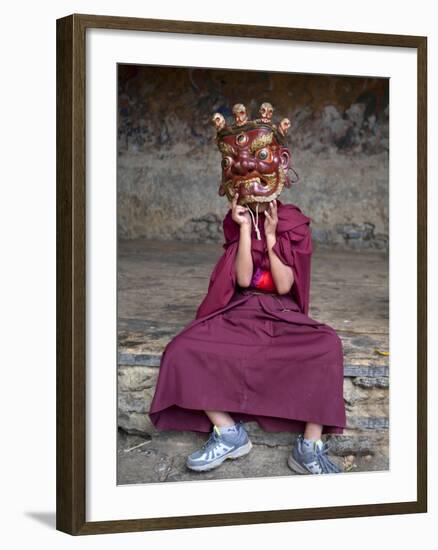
x,y
126,360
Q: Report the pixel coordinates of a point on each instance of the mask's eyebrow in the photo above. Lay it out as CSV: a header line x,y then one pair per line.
x,y
261,141
226,149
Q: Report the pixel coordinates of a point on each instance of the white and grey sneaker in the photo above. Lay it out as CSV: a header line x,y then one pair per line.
x,y
232,443
310,457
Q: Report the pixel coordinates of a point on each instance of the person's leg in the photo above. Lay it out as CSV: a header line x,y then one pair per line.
x,y
313,431
223,419
220,419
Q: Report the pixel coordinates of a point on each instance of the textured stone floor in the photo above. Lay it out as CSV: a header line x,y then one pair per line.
x,y
160,284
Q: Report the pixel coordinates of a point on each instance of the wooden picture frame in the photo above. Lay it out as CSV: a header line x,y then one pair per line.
x,y
71,272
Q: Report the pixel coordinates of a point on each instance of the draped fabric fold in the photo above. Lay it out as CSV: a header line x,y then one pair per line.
x,y
294,248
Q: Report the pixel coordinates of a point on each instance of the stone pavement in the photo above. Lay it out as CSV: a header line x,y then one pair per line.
x,y
160,285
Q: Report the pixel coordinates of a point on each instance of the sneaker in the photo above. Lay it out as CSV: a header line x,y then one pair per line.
x,y
219,447
303,460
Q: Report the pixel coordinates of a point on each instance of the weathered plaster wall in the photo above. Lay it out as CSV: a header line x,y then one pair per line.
x,y
169,166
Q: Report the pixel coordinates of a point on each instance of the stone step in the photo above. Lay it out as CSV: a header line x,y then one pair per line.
x,y
126,360
135,422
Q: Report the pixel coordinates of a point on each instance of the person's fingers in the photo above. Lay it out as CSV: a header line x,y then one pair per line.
x,y
274,211
234,202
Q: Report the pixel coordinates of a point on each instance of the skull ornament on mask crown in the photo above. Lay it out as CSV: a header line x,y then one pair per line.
x,y
239,113
219,121
255,156
266,112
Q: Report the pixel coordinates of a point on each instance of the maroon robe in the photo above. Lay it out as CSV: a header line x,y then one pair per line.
x,y
254,354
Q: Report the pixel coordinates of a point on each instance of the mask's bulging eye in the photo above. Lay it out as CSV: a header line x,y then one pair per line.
x,y
241,139
264,154
226,162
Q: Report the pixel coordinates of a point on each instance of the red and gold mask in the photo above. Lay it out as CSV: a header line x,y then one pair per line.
x,y
255,156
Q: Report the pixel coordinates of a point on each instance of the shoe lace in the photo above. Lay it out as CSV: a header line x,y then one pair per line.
x,y
211,440
214,437
323,460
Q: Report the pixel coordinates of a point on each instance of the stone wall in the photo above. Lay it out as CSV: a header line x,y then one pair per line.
x,y
169,167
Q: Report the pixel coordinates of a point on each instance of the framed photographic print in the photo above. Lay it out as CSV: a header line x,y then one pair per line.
x,y
241,274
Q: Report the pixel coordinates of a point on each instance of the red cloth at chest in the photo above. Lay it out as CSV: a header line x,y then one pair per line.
x,y
262,279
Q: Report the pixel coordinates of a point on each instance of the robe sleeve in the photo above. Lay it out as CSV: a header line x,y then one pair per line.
x,y
222,282
294,248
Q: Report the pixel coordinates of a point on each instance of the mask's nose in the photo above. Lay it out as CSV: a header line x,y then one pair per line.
x,y
244,165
